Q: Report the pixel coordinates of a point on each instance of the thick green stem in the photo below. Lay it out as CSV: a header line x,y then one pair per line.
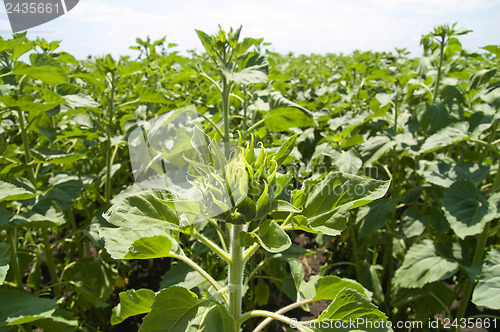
x,y
438,79
236,269
219,251
50,263
14,259
26,146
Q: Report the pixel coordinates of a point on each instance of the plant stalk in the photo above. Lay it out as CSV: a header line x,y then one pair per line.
x,y
50,263
107,188
26,146
438,78
236,269
14,259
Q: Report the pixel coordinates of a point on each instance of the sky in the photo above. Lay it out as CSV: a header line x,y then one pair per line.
x,y
99,27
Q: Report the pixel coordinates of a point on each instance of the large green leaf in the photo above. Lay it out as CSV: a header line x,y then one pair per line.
x,y
374,216
487,291
328,201
177,309
282,119
142,211
445,172
255,70
271,237
66,189
46,74
451,134
4,260
132,302
349,305
118,240
328,288
23,308
11,192
467,209
149,95
26,103
341,190
151,247
426,262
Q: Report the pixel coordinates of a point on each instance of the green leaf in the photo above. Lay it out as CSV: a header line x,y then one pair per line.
x,y
177,309
26,103
207,42
283,206
426,262
132,302
45,156
374,216
285,149
346,161
277,101
248,75
47,216
5,216
142,211
66,189
182,275
11,192
282,119
272,237
77,101
412,222
492,96
23,308
452,134
329,200
351,305
151,247
328,288
46,74
481,77
445,172
494,49
148,95
137,215
487,291
467,209
4,260
298,272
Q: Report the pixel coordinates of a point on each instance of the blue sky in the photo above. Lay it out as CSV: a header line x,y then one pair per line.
x,y
301,26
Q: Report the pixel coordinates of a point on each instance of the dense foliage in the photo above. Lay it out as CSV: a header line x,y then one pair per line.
x,y
83,248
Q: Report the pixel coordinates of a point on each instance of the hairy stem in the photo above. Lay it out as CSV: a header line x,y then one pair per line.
x,y
236,269
200,270
283,310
